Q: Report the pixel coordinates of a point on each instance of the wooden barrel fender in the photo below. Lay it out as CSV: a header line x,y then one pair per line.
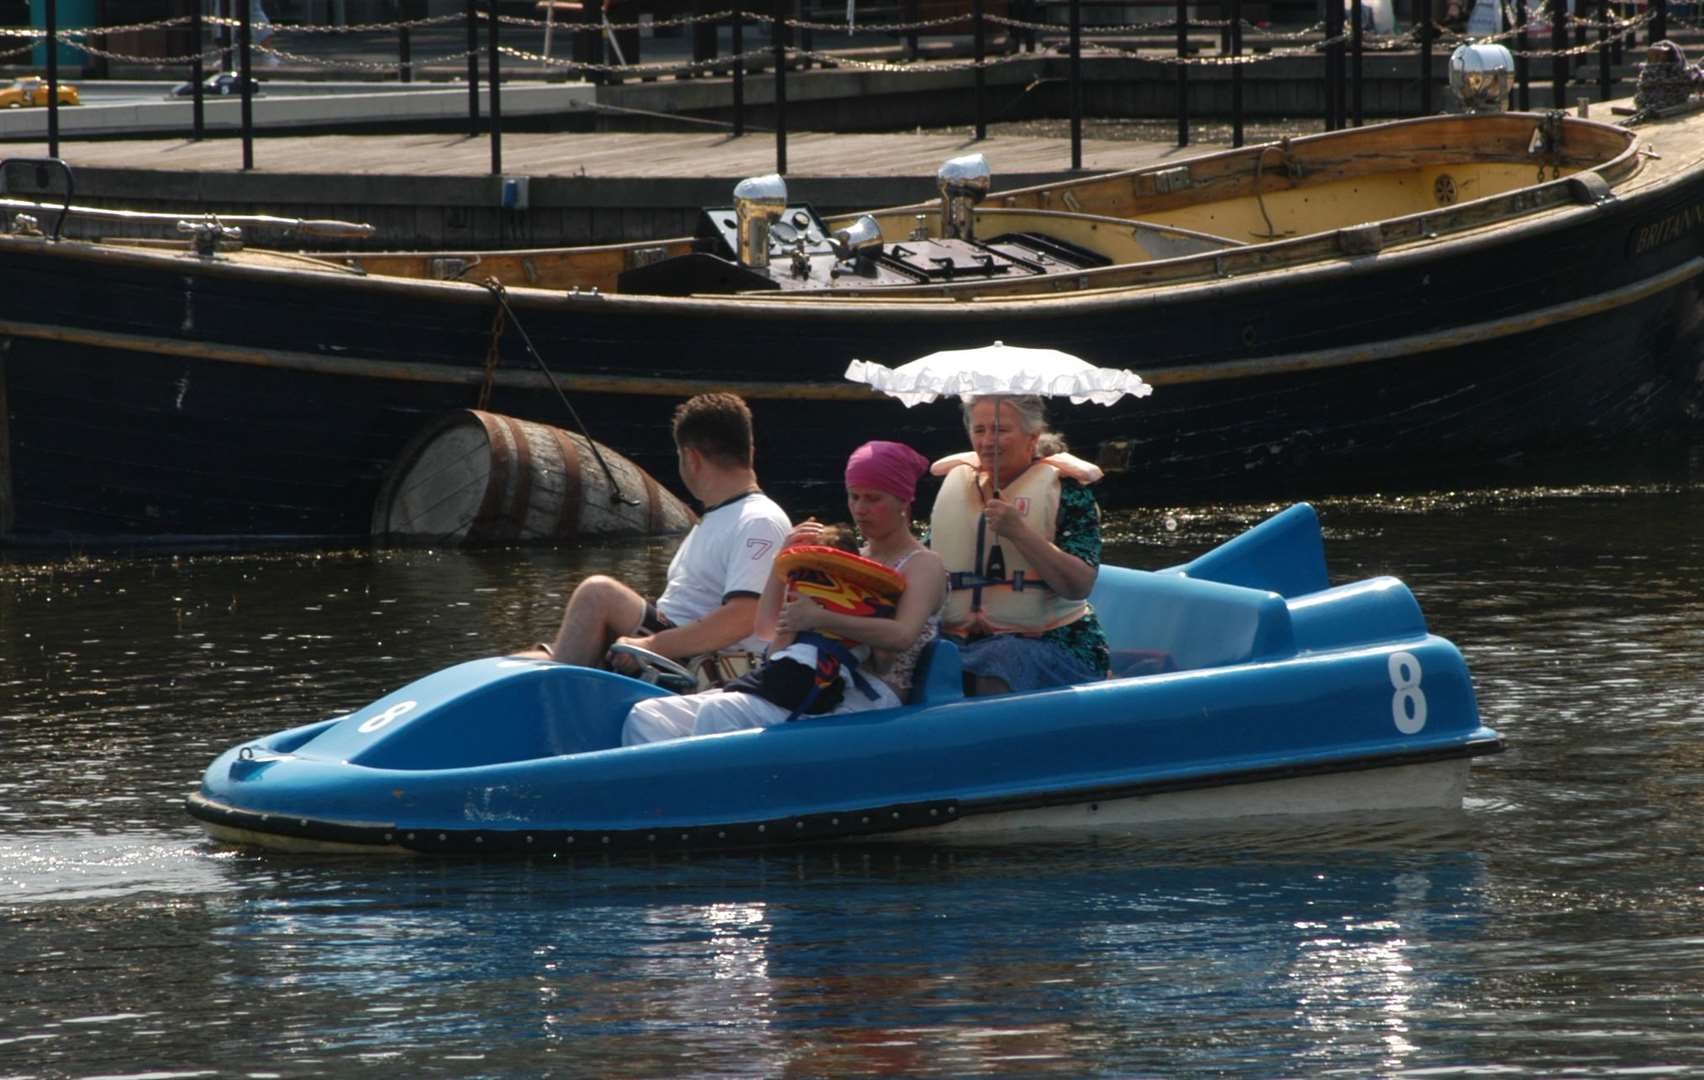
x,y
475,478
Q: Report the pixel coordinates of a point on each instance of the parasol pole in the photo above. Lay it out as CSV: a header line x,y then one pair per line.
x,y
995,567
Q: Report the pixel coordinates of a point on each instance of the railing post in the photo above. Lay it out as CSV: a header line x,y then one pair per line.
x,y
1523,74
704,40
494,76
226,38
52,19
404,44
981,74
1236,74
1423,11
472,70
1604,79
778,38
912,13
1559,62
1579,34
1183,72
1334,65
196,31
1355,10
245,81
1659,20
738,44
1076,84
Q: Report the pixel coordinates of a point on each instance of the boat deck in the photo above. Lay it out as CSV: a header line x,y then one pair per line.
x,y
610,155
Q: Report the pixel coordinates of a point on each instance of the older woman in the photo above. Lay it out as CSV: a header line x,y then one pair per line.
x,y
1020,534
881,484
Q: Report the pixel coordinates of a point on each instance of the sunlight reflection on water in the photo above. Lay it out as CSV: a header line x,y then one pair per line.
x,y
1549,928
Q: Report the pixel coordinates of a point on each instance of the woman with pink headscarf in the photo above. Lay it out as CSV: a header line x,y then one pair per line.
x,y
881,485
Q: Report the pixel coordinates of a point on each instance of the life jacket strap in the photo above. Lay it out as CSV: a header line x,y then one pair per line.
x,y
832,657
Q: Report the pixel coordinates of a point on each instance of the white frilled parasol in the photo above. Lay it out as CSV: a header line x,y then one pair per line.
x,y
999,369
1003,370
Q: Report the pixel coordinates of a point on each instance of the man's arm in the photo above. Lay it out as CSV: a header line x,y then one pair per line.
x,y
715,631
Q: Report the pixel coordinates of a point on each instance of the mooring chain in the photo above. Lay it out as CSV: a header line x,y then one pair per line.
x,y
1373,42
507,318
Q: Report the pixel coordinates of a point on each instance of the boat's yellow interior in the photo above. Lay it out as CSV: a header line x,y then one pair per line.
x,y
1219,202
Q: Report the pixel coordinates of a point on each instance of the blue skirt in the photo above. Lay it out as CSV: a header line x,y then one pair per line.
x,y
1024,663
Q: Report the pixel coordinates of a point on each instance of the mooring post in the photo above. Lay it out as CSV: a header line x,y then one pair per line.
x,y
738,44
1334,65
1355,10
778,38
52,19
1183,72
494,70
198,119
1423,23
981,74
245,81
1558,59
1076,84
405,44
472,69
1236,74
1523,76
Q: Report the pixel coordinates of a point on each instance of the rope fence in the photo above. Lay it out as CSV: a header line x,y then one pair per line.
x,y
1338,42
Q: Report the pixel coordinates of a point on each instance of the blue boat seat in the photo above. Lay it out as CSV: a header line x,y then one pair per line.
x,y
1157,622
939,676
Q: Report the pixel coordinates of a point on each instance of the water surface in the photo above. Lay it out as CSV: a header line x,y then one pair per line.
x,y
1555,927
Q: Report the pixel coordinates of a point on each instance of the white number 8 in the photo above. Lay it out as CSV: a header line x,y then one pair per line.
x,y
374,723
1408,704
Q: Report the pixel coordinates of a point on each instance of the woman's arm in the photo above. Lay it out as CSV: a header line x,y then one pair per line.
x,y
1069,575
775,589
925,583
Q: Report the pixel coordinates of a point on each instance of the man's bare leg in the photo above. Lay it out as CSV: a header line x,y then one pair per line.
x,y
600,610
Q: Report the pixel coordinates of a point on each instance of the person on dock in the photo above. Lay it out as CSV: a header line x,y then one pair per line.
x,y
706,612
1019,531
881,484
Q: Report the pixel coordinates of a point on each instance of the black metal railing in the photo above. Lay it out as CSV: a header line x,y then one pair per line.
x,y
996,38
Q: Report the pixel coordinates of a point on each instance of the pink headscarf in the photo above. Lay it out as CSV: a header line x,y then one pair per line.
x,y
886,466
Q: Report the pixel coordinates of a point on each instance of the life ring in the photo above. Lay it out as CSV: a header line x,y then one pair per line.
x,y
841,581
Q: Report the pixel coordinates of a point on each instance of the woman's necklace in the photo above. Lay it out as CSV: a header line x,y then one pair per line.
x,y
889,559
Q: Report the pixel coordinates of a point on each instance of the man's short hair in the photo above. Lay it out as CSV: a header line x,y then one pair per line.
x,y
717,426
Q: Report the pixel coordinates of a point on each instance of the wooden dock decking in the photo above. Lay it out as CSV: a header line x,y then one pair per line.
x,y
611,155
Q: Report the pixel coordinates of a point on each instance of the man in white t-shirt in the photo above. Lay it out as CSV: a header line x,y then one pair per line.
x,y
716,577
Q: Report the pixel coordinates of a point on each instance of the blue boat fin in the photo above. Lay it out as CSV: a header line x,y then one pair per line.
x,y
1284,554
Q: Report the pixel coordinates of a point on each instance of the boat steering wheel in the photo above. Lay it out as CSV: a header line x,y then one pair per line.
x,y
657,669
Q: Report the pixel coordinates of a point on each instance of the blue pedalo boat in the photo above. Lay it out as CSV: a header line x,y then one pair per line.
x,y
1243,685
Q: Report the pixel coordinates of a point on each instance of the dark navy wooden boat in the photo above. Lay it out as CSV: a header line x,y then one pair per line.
x,y
1406,304
1244,686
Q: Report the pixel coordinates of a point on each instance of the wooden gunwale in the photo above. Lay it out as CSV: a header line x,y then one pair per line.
x,y
652,385
1132,193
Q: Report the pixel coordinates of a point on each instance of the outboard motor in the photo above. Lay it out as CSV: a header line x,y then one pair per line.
x,y
963,181
862,237
759,202
1482,76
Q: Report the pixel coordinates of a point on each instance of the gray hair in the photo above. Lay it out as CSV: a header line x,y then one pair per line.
x,y
1032,418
